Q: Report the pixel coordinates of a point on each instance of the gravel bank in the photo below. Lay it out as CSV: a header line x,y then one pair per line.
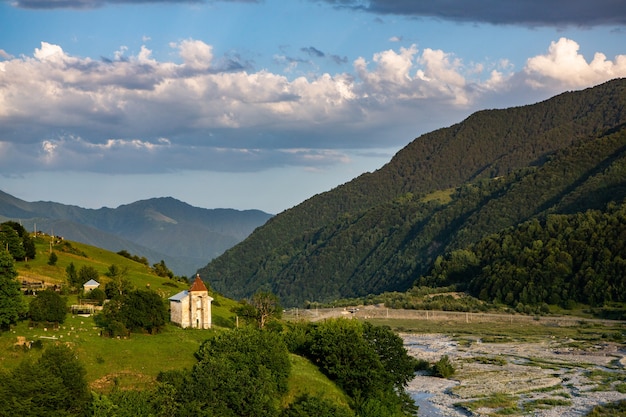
x,y
536,375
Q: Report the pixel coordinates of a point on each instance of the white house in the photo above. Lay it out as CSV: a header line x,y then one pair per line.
x,y
92,284
192,308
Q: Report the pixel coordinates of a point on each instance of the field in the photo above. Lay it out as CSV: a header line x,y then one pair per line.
x,y
38,269
126,362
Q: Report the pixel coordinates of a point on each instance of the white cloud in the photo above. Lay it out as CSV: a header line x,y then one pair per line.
x,y
565,67
49,52
196,54
5,55
140,114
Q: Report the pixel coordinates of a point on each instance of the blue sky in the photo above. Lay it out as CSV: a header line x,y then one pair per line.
x,y
263,104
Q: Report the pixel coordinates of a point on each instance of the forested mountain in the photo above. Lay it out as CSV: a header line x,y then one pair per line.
x,y
185,237
444,191
560,259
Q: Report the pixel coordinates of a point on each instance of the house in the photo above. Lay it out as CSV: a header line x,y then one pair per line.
x,y
90,285
192,308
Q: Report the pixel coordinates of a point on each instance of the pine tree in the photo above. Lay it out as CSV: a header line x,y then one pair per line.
x,y
11,304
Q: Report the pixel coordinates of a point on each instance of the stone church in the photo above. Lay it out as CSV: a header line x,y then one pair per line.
x,y
192,308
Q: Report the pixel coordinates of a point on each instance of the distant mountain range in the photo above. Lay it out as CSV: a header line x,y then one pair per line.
x,y
185,237
446,190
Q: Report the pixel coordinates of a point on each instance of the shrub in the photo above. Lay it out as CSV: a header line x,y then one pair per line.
x,y
443,367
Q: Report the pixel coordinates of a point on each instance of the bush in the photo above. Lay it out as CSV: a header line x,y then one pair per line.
x,y
309,406
443,368
117,329
48,306
97,294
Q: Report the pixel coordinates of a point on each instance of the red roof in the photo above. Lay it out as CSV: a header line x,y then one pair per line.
x,y
198,285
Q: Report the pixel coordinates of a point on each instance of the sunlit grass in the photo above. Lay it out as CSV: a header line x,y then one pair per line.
x,y
134,361
125,362
306,378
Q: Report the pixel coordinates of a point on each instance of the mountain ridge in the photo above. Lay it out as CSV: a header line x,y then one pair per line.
x,y
161,228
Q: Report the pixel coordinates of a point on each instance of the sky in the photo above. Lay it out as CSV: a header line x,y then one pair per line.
x,y
262,104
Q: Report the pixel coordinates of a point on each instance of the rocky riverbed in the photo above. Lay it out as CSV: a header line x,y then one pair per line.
x,y
546,378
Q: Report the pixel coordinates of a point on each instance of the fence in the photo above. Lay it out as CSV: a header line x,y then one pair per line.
x,y
378,312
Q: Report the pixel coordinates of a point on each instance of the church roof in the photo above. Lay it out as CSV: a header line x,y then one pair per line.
x,y
198,285
180,296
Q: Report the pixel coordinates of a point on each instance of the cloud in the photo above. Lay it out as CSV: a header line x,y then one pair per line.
x,y
314,52
564,67
94,4
138,114
527,13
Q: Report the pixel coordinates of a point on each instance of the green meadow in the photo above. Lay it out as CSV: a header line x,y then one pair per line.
x,y
133,362
126,362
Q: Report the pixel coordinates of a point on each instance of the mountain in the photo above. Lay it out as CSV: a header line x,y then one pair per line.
x,y
185,237
445,190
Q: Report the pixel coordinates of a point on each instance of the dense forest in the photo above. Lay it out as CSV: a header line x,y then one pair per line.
x,y
559,260
446,190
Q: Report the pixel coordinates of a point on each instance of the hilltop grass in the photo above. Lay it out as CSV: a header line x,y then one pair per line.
x,y
132,362
126,362
306,378
80,255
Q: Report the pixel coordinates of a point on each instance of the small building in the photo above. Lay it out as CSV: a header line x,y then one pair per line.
x,y
92,284
192,308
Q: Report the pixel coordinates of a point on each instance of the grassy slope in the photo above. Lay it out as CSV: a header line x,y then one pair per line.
x,y
307,378
133,362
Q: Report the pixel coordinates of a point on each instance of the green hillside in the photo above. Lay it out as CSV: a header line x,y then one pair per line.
x,y
80,255
129,362
136,361
446,190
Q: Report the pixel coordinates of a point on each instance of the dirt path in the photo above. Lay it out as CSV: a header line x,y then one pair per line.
x,y
542,379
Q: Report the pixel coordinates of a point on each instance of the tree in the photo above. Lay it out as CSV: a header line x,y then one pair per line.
x,y
52,259
367,362
341,352
10,240
144,309
55,385
400,366
263,307
162,270
97,294
48,306
71,275
86,273
118,287
136,311
11,303
22,247
115,272
239,373
311,406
